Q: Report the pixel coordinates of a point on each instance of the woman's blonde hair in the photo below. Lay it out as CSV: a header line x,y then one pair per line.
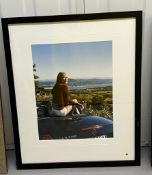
x,y
60,77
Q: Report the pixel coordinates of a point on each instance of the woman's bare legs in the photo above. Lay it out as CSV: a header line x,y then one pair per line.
x,y
80,106
69,108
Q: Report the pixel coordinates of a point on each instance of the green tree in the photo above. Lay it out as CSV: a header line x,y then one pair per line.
x,y
97,99
36,81
108,100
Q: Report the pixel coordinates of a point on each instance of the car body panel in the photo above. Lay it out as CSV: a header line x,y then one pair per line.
x,y
74,127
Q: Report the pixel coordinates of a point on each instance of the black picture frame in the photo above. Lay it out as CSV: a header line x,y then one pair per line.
x,y
11,52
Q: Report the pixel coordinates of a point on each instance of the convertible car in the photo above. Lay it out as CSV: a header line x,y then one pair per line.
x,y
72,127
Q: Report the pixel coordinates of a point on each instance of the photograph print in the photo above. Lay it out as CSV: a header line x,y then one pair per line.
x,y
73,90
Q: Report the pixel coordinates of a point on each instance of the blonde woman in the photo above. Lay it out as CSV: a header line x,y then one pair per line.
x,y
62,104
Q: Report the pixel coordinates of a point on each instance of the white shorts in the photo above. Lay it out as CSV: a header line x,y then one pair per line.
x,y
63,112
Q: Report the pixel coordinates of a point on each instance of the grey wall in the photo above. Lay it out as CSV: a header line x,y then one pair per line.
x,y
16,8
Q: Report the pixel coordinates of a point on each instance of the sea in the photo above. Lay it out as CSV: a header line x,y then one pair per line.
x,y
76,84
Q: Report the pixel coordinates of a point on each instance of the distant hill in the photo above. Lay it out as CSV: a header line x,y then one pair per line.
x,y
80,83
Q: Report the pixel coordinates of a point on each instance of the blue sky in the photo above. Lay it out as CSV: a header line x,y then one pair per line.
x,y
78,60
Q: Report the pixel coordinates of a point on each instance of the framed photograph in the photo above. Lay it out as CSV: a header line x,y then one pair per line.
x,y
74,82
3,165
